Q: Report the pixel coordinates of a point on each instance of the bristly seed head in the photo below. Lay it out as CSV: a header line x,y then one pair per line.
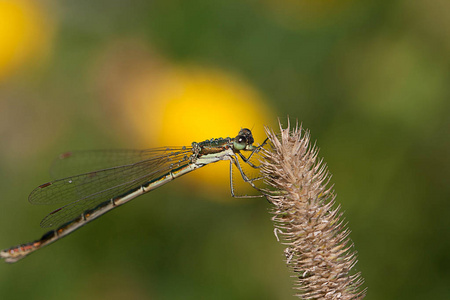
x,y
319,250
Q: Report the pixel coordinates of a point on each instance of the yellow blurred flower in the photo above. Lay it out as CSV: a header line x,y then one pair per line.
x,y
194,104
155,103
24,34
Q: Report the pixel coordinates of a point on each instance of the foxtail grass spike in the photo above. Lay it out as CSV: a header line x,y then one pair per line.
x,y
307,220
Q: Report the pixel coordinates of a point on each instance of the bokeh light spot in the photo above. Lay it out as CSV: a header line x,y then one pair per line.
x,y
194,104
24,34
177,105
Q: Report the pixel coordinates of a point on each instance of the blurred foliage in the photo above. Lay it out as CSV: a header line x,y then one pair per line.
x,y
370,80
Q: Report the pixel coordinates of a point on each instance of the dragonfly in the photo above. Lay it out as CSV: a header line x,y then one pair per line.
x,y
91,194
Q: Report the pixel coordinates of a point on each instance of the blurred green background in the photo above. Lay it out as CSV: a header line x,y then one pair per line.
x,y
370,80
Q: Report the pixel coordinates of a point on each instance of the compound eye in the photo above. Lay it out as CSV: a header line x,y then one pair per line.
x,y
240,142
248,135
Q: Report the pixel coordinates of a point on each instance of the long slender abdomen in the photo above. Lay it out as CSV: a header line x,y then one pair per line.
x,y
16,253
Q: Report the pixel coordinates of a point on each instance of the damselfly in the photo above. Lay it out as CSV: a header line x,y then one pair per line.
x,y
92,194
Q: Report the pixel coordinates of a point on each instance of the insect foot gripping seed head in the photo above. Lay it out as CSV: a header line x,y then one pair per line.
x,y
319,250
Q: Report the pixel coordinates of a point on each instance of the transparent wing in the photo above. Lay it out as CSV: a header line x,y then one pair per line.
x,y
86,191
80,162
